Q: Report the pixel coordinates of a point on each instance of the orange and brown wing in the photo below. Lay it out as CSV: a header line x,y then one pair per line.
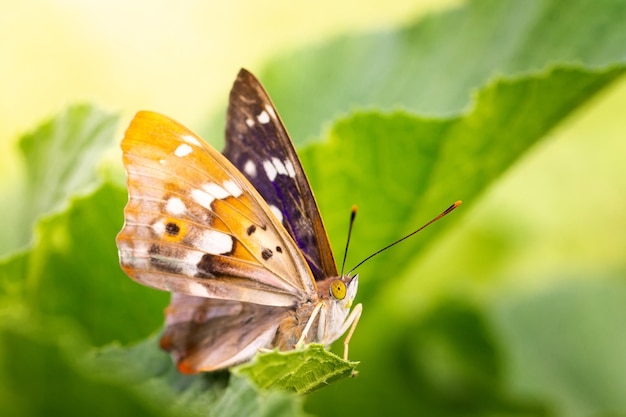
x,y
194,224
207,334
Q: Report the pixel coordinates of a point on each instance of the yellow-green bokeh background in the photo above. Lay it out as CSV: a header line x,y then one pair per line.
x,y
178,58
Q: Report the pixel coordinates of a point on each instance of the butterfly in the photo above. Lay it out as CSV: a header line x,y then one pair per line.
x,y
236,237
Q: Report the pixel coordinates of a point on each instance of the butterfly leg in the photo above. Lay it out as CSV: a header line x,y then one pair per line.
x,y
351,322
309,323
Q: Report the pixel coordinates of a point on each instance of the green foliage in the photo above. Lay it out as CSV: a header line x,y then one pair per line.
x,y
499,76
568,343
300,370
152,373
419,166
39,378
72,272
434,66
60,156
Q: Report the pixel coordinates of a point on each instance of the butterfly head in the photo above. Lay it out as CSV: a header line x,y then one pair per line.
x,y
339,294
343,290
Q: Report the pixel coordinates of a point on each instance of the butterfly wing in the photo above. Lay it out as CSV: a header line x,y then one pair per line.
x,y
194,224
258,144
207,334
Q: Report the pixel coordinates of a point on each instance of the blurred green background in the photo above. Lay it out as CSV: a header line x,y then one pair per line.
x,y
514,305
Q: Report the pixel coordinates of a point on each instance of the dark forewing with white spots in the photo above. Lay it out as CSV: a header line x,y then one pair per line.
x,y
258,144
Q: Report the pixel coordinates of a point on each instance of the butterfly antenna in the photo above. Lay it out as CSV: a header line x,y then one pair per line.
x,y
345,252
445,212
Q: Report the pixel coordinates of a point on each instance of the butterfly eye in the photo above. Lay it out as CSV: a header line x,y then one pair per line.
x,y
338,289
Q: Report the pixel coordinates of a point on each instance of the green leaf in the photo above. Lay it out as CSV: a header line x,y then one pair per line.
x,y
71,269
60,159
73,272
412,168
568,344
214,394
301,370
39,376
433,66
243,399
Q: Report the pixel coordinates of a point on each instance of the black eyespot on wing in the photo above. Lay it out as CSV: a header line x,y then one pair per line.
x,y
266,253
172,229
251,229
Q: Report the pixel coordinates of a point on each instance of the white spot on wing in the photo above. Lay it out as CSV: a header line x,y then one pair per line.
x,y
270,110
280,168
159,228
215,190
197,289
263,117
175,206
270,170
290,170
277,212
232,188
249,122
249,168
214,242
183,150
202,198
190,263
191,139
